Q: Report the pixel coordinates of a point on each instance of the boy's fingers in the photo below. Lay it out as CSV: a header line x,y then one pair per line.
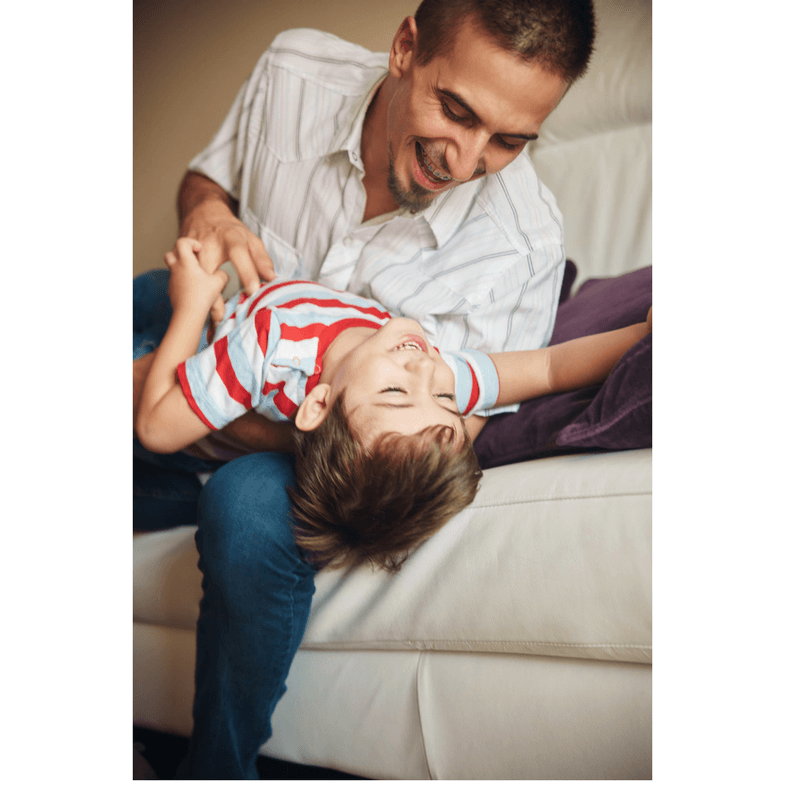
x,y
186,247
222,277
218,310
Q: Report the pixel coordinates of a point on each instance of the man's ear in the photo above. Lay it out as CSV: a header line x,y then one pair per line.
x,y
404,46
315,408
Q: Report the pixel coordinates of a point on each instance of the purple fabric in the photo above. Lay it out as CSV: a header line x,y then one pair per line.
x,y
616,415
604,304
570,273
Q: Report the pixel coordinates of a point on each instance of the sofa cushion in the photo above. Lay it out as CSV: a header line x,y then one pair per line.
x,y
616,415
552,558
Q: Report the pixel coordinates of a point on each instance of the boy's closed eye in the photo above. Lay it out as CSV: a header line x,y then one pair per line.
x,y
403,391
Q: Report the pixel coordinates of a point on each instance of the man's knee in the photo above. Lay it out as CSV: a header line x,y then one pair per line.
x,y
244,511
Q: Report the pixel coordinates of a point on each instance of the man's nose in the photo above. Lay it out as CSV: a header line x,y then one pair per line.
x,y
465,155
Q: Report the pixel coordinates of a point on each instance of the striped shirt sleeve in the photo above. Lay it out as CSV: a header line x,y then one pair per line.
x,y
225,380
477,383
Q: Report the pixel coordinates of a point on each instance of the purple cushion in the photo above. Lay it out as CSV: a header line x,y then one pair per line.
x,y
616,415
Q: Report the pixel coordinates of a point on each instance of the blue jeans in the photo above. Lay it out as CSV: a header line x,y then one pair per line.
x,y
166,488
151,311
257,589
257,594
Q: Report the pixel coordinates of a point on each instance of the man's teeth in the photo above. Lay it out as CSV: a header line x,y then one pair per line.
x,y
430,167
408,346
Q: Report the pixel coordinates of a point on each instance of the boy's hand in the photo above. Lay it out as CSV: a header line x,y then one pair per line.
x,y
650,320
191,288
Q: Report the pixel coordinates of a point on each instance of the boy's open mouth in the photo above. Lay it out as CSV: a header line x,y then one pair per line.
x,y
412,342
427,168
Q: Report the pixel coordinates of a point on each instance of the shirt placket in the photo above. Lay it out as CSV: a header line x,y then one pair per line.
x,y
343,254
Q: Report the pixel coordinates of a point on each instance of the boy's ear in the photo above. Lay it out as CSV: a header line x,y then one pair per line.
x,y
314,409
404,46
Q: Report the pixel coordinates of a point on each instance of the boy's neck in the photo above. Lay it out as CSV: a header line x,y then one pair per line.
x,y
346,341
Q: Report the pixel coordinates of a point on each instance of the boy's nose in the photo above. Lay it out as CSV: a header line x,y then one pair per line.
x,y
422,367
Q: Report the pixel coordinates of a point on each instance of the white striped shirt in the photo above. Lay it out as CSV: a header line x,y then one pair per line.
x,y
267,354
480,269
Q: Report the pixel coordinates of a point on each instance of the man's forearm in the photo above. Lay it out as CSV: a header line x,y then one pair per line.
x,y
255,433
196,189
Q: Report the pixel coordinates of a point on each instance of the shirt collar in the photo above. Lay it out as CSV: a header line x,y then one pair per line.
x,y
446,214
350,139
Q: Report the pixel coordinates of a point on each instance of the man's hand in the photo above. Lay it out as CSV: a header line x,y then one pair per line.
x,y
650,320
207,215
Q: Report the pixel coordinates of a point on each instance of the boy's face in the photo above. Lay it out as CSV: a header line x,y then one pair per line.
x,y
396,381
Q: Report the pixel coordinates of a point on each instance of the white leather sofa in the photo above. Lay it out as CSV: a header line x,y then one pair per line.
x,y
516,643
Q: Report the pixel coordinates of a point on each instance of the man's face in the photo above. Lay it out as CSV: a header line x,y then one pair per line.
x,y
462,115
396,381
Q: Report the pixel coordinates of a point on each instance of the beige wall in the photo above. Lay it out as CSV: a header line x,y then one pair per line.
x,y
189,59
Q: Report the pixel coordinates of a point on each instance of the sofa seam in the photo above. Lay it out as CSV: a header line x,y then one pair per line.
x,y
643,493
346,645
420,655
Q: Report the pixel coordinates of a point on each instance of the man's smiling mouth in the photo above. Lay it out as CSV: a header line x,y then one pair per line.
x,y
427,168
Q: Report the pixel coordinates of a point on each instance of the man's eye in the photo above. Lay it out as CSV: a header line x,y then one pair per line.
x,y
447,396
508,145
393,389
448,112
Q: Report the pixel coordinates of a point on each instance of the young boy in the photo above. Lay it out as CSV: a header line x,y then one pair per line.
x,y
383,454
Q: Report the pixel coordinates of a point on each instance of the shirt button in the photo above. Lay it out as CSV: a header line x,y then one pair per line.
x,y
296,361
347,241
317,369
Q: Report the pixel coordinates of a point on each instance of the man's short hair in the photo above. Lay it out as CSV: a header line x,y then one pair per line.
x,y
556,34
354,504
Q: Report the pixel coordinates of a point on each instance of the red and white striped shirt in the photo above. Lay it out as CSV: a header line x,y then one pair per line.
x,y
267,354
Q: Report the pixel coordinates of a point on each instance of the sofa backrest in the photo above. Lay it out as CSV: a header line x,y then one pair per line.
x,y
595,150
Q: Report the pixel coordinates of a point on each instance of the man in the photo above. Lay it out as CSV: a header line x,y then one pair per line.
x,y
403,186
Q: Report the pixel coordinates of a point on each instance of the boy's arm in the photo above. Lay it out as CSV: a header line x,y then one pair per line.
x,y
166,422
251,431
561,367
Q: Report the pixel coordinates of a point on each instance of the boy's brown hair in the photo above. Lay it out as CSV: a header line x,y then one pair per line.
x,y
354,504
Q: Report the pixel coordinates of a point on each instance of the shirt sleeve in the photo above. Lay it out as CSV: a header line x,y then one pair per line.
x,y
222,160
519,311
226,379
477,383
521,318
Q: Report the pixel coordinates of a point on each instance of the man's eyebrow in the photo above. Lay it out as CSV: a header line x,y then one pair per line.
x,y
530,137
